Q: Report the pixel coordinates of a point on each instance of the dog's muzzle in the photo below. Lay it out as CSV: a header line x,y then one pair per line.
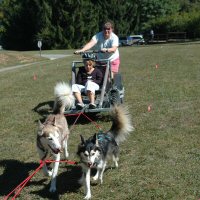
x,y
56,151
89,164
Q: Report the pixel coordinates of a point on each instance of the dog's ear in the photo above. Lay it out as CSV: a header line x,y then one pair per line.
x,y
40,127
40,124
54,121
82,140
96,140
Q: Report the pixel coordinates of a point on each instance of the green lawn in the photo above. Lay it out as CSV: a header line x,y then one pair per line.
x,y
160,159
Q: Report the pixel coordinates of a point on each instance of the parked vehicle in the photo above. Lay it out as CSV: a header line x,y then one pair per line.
x,y
131,40
125,41
137,39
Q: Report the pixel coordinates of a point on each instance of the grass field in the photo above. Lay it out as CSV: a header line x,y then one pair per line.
x,y
160,159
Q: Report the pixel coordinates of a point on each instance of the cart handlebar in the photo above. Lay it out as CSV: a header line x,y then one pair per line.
x,y
89,51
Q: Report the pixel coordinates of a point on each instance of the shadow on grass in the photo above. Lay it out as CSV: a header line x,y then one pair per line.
x,y
66,182
15,172
91,117
45,108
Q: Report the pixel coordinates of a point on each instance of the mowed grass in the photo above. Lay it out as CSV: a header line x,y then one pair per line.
x,y
160,159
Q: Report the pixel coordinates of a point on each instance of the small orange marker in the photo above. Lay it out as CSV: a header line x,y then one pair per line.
x,y
149,108
156,66
34,77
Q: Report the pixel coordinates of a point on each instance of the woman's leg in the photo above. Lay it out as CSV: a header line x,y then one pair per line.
x,y
115,67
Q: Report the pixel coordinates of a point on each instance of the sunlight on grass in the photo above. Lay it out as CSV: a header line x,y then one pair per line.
x,y
160,159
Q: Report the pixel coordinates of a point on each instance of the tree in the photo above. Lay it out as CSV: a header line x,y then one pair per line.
x,y
23,20
69,24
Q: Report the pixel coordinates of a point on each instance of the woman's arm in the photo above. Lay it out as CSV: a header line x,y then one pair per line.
x,y
109,50
88,46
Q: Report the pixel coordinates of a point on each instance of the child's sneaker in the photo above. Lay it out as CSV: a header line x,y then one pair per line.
x,y
92,106
80,106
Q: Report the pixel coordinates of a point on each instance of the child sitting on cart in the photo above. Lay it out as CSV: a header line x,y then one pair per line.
x,y
88,79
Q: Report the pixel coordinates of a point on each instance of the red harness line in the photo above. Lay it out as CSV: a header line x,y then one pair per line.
x,y
91,120
82,113
22,185
19,188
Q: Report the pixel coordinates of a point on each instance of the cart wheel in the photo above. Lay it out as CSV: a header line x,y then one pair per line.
x,y
115,97
118,81
106,104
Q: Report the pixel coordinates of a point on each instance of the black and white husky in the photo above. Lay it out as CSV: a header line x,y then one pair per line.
x,y
96,150
53,134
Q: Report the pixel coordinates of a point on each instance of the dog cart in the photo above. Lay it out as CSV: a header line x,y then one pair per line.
x,y
111,89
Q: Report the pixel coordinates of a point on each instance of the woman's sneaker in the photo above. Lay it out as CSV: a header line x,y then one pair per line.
x,y
92,106
80,106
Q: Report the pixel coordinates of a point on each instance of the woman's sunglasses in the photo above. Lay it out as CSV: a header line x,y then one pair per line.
x,y
107,29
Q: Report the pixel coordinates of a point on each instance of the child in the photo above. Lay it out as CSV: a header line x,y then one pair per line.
x,y
88,80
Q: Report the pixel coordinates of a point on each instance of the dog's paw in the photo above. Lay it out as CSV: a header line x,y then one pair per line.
x,y
88,196
95,178
52,189
101,180
66,154
49,172
80,181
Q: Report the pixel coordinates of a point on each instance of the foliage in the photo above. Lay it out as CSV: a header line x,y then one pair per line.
x,y
69,24
152,9
185,22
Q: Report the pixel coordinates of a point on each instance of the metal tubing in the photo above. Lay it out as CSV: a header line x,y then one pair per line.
x,y
104,84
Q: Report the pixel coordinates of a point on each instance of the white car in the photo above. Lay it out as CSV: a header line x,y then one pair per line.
x,y
131,40
137,39
125,41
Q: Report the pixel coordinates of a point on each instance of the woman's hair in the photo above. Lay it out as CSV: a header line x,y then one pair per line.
x,y
108,24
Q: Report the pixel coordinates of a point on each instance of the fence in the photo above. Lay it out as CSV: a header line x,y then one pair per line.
x,y
169,37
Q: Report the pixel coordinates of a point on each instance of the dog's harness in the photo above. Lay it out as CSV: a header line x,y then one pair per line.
x,y
101,136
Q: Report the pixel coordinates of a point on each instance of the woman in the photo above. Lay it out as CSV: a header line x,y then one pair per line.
x,y
107,42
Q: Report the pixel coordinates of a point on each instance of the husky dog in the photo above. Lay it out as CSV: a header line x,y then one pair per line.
x,y
95,151
53,134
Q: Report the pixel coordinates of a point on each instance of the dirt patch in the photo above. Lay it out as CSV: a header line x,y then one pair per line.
x,y
4,59
15,58
25,59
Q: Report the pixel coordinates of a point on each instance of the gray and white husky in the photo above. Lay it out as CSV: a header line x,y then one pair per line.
x,y
53,134
96,150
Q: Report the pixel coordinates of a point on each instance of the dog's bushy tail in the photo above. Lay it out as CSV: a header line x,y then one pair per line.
x,y
122,125
63,97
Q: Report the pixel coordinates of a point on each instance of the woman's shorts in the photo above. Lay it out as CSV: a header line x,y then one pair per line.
x,y
115,65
